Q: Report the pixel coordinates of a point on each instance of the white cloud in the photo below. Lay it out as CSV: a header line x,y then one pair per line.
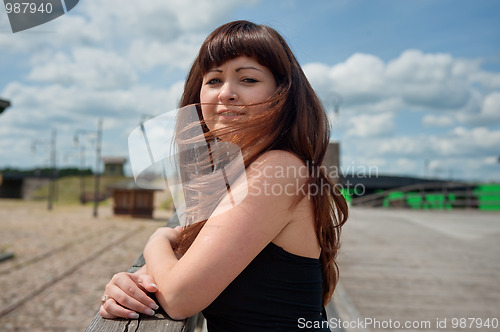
x,y
360,75
358,80
115,24
413,81
491,107
67,31
177,54
118,60
85,68
428,80
71,103
487,79
431,120
492,160
403,146
122,59
475,140
366,125
68,108
462,153
482,110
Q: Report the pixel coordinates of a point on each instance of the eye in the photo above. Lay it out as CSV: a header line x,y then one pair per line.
x,y
213,81
249,80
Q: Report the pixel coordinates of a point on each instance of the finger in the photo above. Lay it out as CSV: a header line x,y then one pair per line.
x,y
105,314
133,284
125,290
147,283
130,302
122,304
110,310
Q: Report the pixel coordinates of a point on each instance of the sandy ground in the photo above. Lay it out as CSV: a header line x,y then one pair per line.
x,y
63,260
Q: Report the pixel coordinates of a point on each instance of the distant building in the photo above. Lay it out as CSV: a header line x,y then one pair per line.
x,y
20,186
11,186
332,162
371,182
132,200
114,165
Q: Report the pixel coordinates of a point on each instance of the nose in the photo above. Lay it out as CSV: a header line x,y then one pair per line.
x,y
227,93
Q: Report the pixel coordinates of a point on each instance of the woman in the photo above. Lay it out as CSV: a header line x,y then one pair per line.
x,y
268,263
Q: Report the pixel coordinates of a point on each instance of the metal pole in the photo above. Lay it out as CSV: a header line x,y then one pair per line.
x,y
82,175
97,166
52,169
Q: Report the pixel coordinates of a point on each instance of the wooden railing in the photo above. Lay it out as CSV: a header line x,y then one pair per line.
x,y
159,322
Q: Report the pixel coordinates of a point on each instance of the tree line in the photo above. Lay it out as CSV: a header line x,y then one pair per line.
x,y
45,172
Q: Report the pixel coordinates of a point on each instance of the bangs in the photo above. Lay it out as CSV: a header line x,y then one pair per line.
x,y
242,39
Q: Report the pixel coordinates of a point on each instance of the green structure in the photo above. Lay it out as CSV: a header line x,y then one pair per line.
x,y
488,197
484,197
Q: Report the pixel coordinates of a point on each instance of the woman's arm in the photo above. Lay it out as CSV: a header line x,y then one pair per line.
x,y
228,242
128,292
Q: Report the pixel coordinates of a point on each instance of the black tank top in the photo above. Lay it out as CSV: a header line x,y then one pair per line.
x,y
277,291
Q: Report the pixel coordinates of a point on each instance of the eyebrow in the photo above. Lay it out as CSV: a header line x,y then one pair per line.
x,y
217,70
249,67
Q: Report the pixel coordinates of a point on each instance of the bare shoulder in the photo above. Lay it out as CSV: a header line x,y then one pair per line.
x,y
279,164
280,157
282,177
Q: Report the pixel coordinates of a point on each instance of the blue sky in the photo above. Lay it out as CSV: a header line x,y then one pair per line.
x,y
419,80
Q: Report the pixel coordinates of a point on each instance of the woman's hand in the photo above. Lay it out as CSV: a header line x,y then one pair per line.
x,y
126,293
162,236
172,235
126,296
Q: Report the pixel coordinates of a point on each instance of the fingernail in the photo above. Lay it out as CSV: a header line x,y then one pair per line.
x,y
154,285
133,315
149,312
154,306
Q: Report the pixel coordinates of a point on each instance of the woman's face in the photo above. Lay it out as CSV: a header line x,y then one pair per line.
x,y
230,87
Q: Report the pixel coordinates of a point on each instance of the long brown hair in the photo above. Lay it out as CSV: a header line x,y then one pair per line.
x,y
295,122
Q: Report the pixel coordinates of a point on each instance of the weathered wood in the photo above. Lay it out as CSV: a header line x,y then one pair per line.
x,y
159,322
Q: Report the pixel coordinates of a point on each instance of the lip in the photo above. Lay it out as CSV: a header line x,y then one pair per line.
x,y
229,112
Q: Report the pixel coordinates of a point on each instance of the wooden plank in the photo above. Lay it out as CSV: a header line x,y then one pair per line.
x,y
159,322
100,324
